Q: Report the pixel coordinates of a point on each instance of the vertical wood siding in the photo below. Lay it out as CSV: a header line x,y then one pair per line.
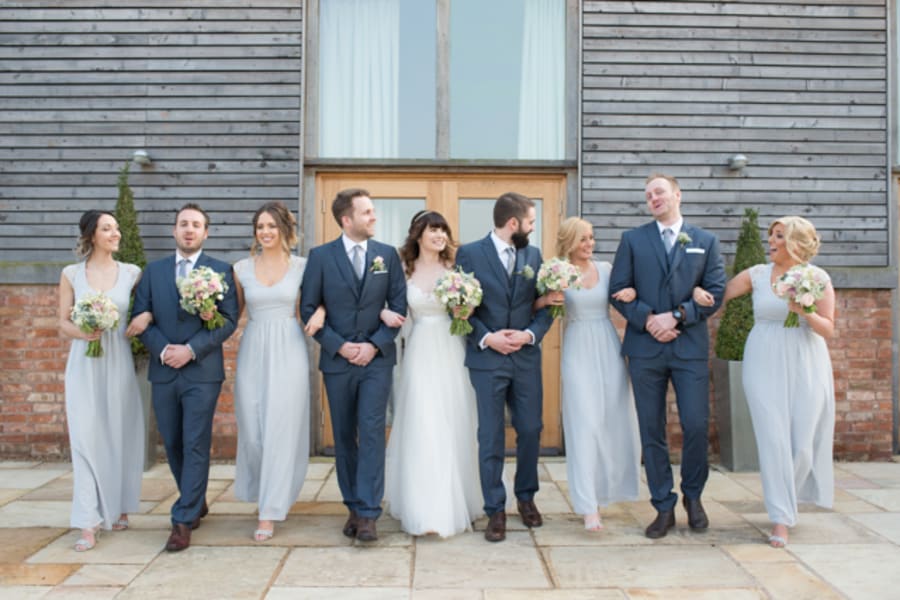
x,y
210,88
799,87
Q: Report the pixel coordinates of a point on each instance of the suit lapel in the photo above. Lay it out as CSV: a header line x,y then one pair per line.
x,y
678,249
492,259
342,263
517,270
367,274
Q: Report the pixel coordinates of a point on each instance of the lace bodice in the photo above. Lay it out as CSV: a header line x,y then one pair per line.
x,y
422,304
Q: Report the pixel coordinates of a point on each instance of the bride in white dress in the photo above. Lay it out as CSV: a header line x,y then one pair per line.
x,y
431,468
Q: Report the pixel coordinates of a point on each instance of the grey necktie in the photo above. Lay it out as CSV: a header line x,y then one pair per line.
x,y
668,238
510,260
358,260
182,268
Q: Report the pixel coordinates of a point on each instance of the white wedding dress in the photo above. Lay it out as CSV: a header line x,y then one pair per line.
x,y
431,468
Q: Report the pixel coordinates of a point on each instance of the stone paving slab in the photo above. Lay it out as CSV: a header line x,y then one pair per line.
x,y
850,552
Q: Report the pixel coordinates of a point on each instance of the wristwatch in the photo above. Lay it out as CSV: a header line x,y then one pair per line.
x,y
678,313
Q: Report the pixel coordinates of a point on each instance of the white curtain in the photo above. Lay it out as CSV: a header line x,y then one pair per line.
x,y
542,115
359,44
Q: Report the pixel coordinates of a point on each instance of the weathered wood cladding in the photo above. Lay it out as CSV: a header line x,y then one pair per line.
x,y
212,92
799,87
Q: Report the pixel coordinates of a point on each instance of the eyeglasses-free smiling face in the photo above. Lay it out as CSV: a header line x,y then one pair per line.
x,y
267,233
584,246
663,200
433,238
778,253
190,231
106,236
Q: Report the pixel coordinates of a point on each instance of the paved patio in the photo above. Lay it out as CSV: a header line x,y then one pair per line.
x,y
850,552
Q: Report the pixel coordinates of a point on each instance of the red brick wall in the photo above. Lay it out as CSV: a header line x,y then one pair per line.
x,y
33,357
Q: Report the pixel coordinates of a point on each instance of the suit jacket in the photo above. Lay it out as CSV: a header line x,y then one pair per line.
x,y
641,262
157,293
352,308
507,303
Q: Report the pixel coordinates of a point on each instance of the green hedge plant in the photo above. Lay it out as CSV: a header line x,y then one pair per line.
x,y
737,320
131,246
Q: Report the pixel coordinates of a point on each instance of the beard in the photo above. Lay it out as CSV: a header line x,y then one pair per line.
x,y
520,239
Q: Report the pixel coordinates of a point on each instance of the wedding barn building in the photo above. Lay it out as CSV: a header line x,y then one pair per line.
x,y
786,107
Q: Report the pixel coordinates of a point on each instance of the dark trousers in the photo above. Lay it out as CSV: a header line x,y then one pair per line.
x,y
521,390
358,402
690,378
184,414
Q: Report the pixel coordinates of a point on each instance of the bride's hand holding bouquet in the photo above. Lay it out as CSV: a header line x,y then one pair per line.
x,y
460,293
93,315
200,291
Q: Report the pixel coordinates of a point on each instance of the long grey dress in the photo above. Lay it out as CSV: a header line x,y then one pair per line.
x,y
104,413
599,419
789,386
271,394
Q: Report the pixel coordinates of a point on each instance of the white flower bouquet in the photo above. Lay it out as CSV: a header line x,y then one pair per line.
x,y
556,275
93,313
460,293
803,284
200,291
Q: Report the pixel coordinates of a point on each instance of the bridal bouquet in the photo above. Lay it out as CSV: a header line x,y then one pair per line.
x,y
803,284
556,275
95,313
460,293
200,291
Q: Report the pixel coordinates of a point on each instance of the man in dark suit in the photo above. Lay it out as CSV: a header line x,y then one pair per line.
x,y
667,338
354,277
186,367
503,356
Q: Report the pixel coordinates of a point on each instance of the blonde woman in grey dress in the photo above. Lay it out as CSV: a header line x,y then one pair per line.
x,y
272,379
602,441
103,404
788,381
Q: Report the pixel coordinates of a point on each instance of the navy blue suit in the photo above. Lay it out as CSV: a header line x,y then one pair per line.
x,y
665,282
357,396
185,399
513,379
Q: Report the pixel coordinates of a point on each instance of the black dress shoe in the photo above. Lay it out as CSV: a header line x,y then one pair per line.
x,y
531,516
496,527
365,530
697,518
180,538
665,520
351,525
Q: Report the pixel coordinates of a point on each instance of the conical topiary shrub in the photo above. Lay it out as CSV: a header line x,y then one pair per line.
x,y
738,317
131,246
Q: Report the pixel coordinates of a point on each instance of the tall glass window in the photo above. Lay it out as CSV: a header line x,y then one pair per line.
x,y
378,87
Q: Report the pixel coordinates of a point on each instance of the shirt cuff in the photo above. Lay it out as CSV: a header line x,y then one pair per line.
x,y
162,355
531,333
193,356
481,343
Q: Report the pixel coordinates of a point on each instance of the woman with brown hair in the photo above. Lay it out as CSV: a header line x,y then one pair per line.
x,y
431,470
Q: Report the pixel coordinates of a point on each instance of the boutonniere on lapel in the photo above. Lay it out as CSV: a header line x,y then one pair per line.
x,y
378,265
683,239
527,272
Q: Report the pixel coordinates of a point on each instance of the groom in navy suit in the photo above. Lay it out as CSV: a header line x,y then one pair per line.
x,y
355,277
186,367
503,356
667,338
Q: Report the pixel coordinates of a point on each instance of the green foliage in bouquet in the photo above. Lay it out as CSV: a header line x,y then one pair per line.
x,y
738,317
131,246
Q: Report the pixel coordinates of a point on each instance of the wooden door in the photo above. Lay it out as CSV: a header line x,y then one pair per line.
x,y
466,201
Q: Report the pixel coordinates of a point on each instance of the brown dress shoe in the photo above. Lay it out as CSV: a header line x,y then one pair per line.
x,y
496,527
351,525
204,510
530,514
665,520
365,530
180,538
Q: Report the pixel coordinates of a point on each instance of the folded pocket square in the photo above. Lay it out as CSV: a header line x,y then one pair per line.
x,y
379,273
695,251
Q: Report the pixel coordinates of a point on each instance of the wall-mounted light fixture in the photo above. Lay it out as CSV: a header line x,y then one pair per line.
x,y
141,157
736,162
